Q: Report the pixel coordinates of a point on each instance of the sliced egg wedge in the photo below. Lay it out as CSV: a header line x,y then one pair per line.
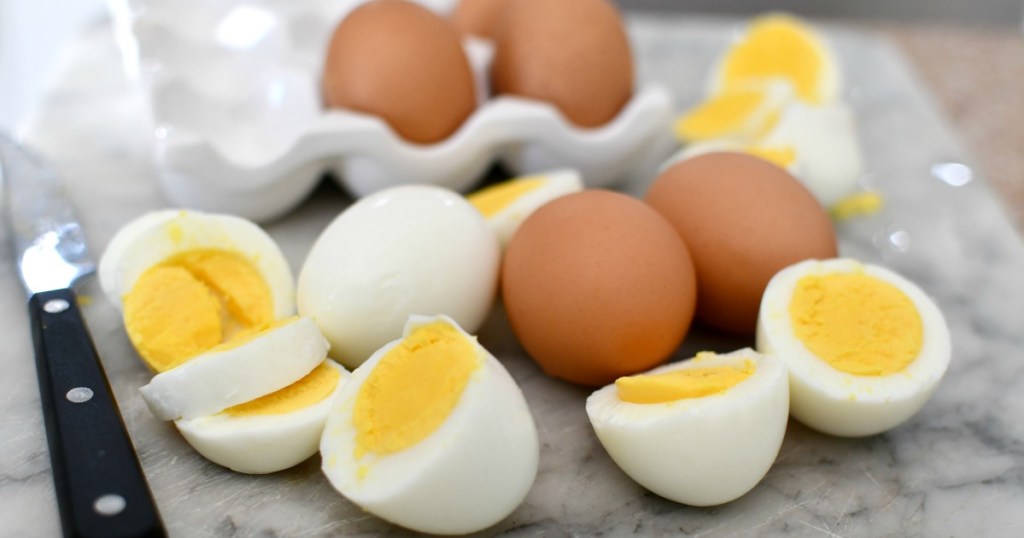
x,y
864,346
824,140
244,369
781,46
188,281
506,205
273,432
432,433
701,432
741,113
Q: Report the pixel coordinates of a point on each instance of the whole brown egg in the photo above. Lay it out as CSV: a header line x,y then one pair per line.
x,y
597,285
744,219
574,54
404,63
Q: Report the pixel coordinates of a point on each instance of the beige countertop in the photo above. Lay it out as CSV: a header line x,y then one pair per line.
x,y
977,77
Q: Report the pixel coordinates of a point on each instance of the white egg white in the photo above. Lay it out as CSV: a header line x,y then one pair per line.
x,y
154,237
414,249
259,444
699,451
841,403
556,183
218,379
467,475
824,138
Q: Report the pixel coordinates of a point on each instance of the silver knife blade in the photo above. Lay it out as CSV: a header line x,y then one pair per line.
x,y
49,243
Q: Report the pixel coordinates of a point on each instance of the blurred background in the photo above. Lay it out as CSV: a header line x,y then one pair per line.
x,y
970,53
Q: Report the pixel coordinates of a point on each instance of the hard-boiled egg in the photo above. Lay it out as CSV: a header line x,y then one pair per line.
x,y
700,432
270,433
824,141
506,205
865,347
431,433
188,281
244,369
414,249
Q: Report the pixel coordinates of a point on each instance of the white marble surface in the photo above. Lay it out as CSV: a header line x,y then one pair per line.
x,y
956,469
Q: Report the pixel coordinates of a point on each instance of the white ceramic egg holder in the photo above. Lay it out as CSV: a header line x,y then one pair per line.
x,y
233,89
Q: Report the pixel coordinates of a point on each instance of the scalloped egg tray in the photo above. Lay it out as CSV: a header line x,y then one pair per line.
x,y
234,95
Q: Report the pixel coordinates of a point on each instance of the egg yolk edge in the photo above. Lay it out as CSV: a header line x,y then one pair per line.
x,y
309,390
856,323
193,301
492,200
681,384
413,389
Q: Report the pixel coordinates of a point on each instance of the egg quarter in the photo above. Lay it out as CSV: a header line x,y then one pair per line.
x,y
693,446
467,473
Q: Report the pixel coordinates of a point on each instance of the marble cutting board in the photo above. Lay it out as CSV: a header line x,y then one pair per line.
x,y
957,468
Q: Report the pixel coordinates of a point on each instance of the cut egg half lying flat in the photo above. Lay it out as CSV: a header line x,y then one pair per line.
x,y
238,371
864,346
431,433
188,281
273,432
701,432
506,205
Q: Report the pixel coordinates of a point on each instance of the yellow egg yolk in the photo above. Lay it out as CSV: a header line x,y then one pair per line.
x,y
728,113
681,384
309,390
492,200
778,46
413,389
781,156
856,323
193,301
854,205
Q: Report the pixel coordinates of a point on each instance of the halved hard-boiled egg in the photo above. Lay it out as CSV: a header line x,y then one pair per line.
x,y
273,432
740,114
864,346
506,205
432,433
780,46
703,431
236,372
188,281
413,249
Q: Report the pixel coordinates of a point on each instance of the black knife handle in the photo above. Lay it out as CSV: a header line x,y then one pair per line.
x,y
101,490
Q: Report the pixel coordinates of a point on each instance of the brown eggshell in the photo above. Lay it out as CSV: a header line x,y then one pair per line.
x,y
402,62
598,285
478,17
744,219
574,54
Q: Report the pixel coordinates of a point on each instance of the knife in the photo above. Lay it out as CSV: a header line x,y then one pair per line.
x,y
101,489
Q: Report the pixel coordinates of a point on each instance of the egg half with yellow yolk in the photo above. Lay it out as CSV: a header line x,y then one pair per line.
x,y
188,281
236,372
506,205
273,432
702,431
432,433
864,346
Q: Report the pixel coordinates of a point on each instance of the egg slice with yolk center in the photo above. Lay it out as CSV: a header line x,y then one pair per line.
x,y
702,431
273,432
431,433
865,347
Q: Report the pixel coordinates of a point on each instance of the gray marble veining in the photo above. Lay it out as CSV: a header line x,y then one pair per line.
x,y
956,469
